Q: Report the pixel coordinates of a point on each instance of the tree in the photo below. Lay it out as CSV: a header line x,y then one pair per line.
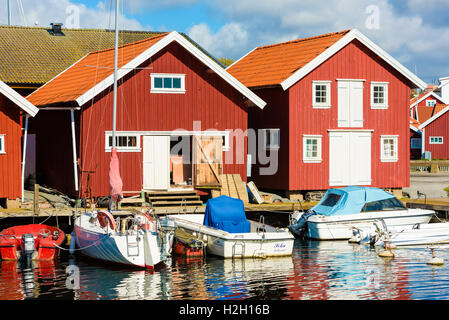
x,y
226,62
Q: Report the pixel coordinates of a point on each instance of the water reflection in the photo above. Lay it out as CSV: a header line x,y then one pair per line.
x,y
317,270
341,270
26,280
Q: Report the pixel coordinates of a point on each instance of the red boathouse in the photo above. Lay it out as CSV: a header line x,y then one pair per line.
x,y
337,113
178,114
14,112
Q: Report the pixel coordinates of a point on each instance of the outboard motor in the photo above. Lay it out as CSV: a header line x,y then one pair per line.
x,y
28,245
299,229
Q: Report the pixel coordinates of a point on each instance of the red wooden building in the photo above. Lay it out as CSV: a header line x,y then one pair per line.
x,y
429,111
171,94
426,105
435,135
337,112
13,110
415,139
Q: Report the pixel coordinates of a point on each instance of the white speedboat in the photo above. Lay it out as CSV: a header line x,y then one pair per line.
x,y
133,241
228,234
415,235
343,209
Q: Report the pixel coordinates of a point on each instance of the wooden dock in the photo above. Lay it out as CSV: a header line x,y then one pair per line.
x,y
441,205
69,212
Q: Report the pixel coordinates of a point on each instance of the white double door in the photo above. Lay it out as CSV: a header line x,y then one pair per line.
x,y
349,158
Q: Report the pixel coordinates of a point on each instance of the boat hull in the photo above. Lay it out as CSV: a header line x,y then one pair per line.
x,y
428,234
242,245
340,227
47,240
138,249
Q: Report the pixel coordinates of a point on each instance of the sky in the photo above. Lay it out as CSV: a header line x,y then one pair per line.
x,y
415,32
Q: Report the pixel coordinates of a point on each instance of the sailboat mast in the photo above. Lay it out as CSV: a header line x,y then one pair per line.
x,y
9,12
114,110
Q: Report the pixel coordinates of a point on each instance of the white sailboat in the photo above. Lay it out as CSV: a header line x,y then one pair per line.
x,y
135,240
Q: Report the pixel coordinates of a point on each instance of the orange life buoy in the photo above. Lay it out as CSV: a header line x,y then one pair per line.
x,y
105,217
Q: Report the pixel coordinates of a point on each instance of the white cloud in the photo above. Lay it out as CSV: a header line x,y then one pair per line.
x,y
226,42
405,31
136,6
44,12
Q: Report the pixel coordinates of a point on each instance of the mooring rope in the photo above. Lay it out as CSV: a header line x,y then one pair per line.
x,y
78,249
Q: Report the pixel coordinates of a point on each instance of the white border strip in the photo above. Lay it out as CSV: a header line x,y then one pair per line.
x,y
17,99
351,35
172,36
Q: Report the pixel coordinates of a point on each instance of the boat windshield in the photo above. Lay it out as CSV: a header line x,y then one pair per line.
x,y
331,200
383,205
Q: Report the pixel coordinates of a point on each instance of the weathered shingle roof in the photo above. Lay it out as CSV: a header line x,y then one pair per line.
x,y
271,65
32,55
92,74
87,72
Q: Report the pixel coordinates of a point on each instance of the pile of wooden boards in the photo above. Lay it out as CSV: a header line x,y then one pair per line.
x,y
232,186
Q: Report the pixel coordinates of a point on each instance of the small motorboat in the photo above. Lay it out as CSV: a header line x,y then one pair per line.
x,y
227,233
32,241
399,236
343,209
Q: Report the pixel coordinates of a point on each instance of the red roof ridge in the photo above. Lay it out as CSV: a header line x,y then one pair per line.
x,y
304,39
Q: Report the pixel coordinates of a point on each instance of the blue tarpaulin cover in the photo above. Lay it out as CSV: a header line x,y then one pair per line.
x,y
226,214
348,200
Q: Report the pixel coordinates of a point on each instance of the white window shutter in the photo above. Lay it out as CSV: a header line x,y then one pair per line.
x,y
343,89
356,104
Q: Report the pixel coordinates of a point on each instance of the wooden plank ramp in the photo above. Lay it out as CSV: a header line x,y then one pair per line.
x,y
232,186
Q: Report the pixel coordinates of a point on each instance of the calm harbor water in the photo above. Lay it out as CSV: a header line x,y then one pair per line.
x,y
316,271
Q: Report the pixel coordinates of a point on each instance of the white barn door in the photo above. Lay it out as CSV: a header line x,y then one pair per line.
x,y
339,166
349,158
156,162
360,158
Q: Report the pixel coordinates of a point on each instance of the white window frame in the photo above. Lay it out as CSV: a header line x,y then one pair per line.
x,y
305,158
136,148
272,132
436,141
389,158
434,103
321,105
2,144
226,146
415,143
383,105
168,90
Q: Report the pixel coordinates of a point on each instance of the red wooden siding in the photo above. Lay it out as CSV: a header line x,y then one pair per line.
x,y
208,99
10,163
423,103
438,128
292,112
354,61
